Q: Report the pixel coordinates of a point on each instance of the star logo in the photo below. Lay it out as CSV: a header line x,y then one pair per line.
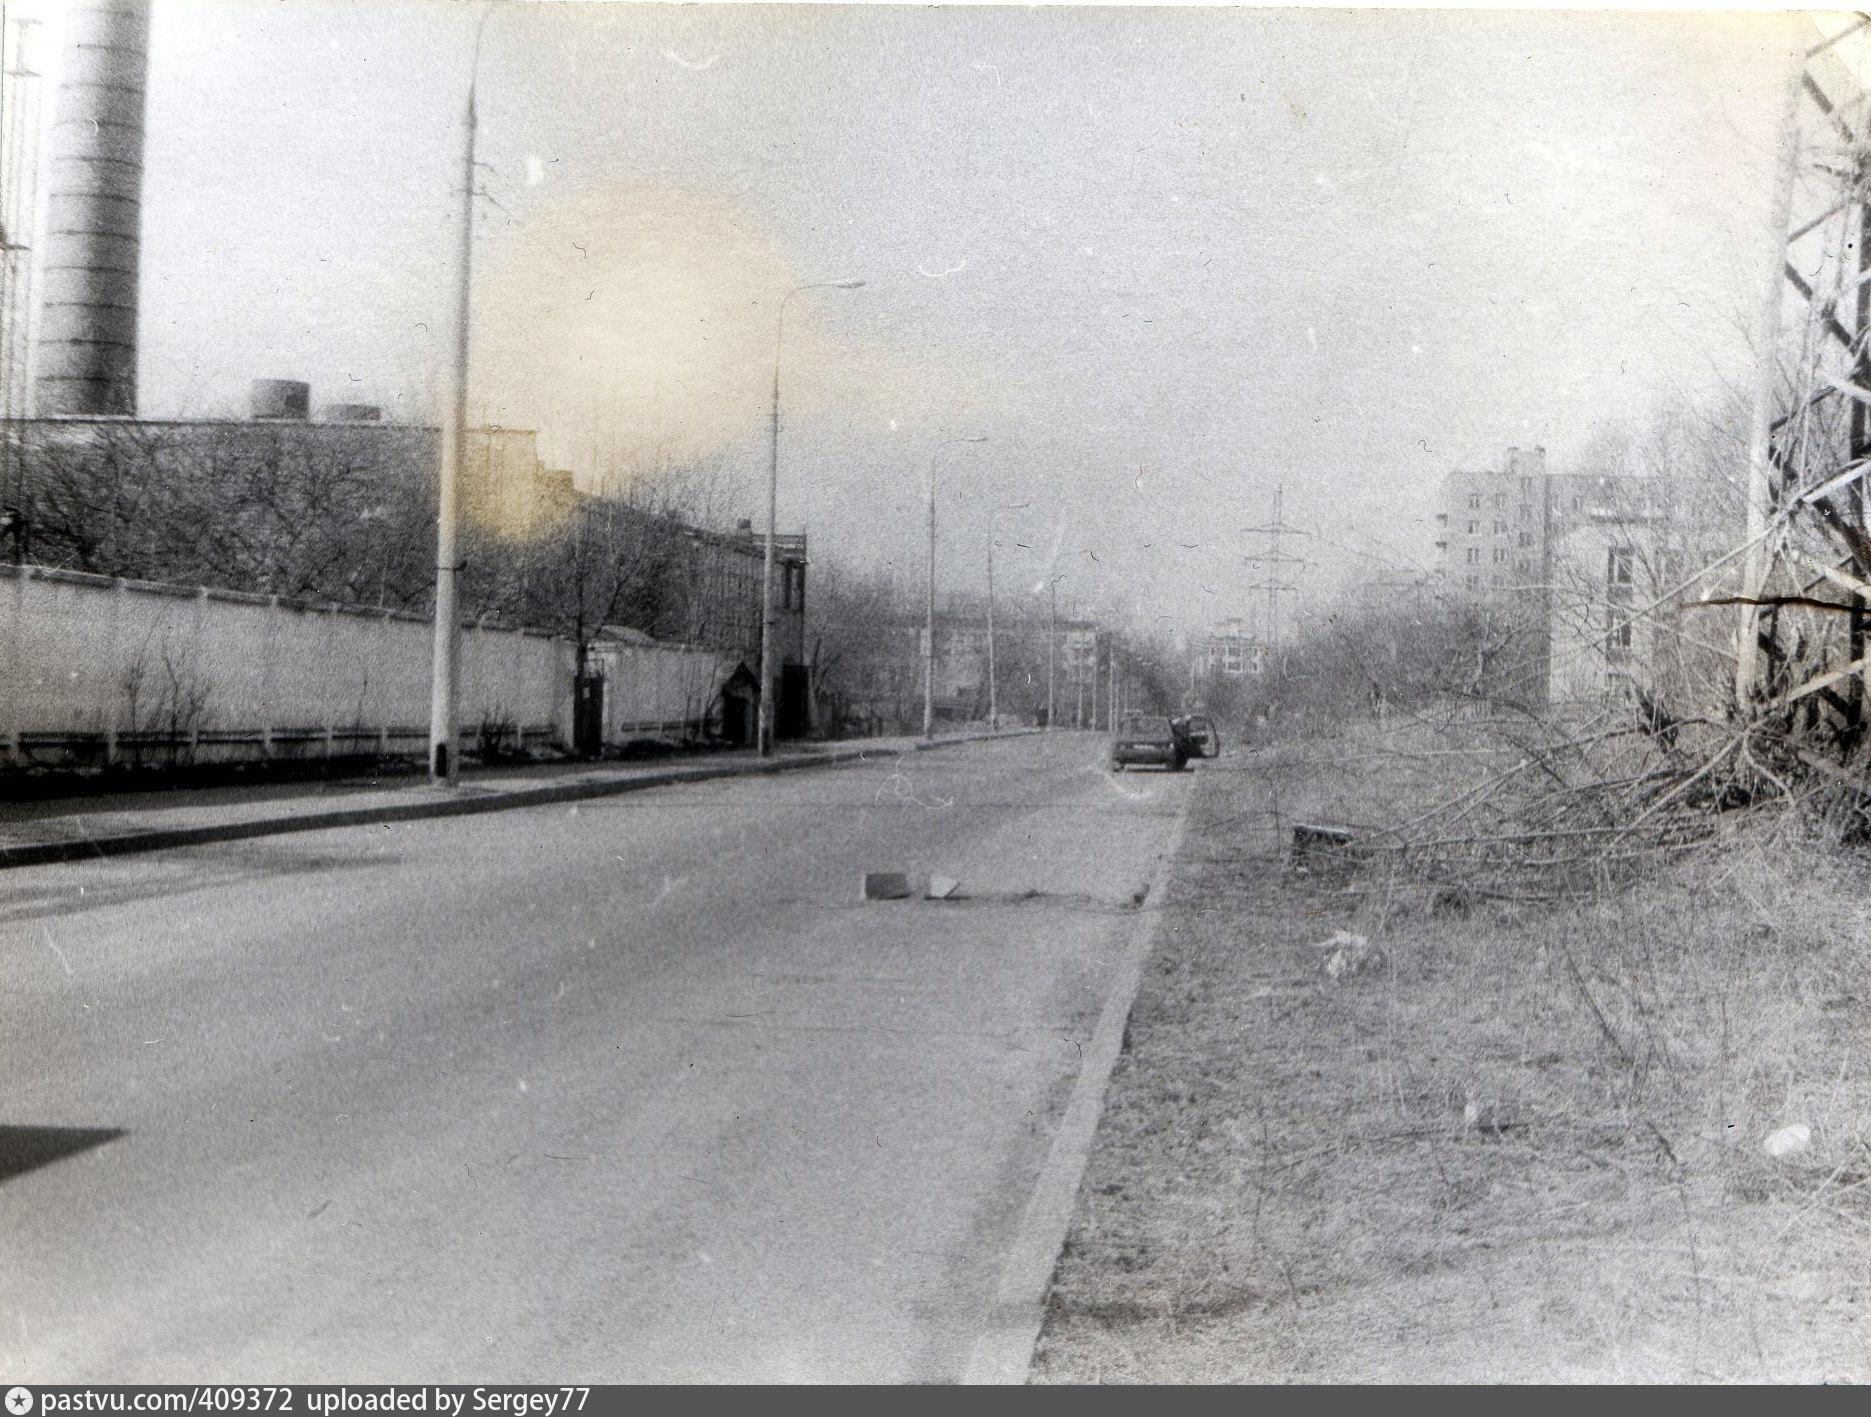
x,y
18,1401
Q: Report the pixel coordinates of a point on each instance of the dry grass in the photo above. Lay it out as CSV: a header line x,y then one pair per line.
x,y
1528,1145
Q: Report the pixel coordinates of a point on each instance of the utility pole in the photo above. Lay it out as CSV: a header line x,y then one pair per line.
x,y
993,677
769,649
929,649
445,674
929,645
1052,644
993,692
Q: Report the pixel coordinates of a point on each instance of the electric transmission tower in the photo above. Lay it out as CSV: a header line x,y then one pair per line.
x,y
1277,568
1806,563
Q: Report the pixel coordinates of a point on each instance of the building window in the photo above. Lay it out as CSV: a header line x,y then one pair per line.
x,y
1526,538
1500,554
1473,582
1473,527
793,587
1474,501
1618,640
1500,500
1474,554
1618,565
1500,527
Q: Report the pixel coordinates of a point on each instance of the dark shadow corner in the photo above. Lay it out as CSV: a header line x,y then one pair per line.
x,y
24,1149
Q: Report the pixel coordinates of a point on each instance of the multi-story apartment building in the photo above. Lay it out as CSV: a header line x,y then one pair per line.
x,y
1494,536
1492,528
1625,549
1579,575
1228,651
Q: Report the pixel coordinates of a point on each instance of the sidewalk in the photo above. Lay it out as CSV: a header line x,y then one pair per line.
x,y
74,829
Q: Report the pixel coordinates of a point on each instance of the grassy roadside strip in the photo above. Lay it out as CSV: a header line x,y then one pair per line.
x,y
1528,1143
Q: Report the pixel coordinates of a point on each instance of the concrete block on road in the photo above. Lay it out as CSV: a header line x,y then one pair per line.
x,y
886,885
942,888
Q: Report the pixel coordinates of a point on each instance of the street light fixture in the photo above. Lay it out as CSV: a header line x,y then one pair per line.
x,y
764,733
929,627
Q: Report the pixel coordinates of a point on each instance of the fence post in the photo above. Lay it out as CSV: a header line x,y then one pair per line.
x,y
386,656
122,591
16,756
331,638
266,688
194,736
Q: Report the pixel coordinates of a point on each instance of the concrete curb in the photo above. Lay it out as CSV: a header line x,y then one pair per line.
x,y
164,838
1003,1352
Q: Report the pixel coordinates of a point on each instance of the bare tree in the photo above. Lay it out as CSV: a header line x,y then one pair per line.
x,y
861,653
292,510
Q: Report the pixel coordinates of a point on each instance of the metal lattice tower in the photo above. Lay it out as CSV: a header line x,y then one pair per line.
x,y
1806,563
1274,586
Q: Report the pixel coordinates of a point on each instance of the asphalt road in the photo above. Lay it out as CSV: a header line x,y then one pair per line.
x,y
634,1089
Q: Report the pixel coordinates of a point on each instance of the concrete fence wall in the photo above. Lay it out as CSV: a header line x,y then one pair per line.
x,y
93,669
660,689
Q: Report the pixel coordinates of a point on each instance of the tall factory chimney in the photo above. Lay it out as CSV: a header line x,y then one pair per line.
x,y
88,275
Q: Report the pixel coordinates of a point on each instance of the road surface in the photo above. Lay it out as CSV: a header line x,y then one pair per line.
x,y
630,1090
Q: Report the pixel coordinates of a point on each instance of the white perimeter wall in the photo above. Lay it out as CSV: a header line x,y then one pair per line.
x,y
84,655
659,688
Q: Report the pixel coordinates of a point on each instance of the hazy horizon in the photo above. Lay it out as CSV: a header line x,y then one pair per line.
x,y
1166,260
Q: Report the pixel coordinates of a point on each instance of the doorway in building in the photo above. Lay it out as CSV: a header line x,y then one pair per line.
x,y
794,718
740,697
588,716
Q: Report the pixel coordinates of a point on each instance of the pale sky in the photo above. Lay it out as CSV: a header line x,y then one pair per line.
x,y
1166,260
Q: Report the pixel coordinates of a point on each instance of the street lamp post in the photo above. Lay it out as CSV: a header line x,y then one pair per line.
x,y
764,733
993,691
993,678
1052,645
445,670
929,601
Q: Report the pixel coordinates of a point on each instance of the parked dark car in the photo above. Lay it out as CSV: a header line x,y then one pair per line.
x,y
1152,739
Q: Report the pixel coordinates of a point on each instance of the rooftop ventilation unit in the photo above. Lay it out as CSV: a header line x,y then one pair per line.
x,y
281,400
